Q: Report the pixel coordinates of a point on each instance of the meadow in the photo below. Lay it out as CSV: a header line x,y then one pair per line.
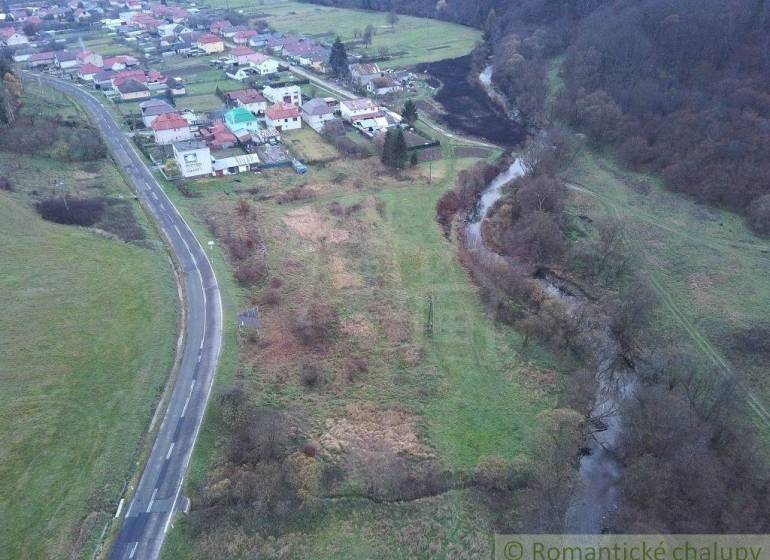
x,y
708,270
411,41
469,389
87,335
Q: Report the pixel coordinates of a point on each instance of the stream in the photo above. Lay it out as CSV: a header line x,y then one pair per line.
x,y
485,78
596,493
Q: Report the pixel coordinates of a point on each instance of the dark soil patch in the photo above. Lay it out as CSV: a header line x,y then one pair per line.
x,y
468,107
472,152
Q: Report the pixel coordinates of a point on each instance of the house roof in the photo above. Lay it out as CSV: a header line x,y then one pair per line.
x,y
239,115
247,96
89,69
364,69
317,106
131,86
7,33
63,56
241,51
209,39
120,59
153,107
169,121
282,111
234,161
188,145
359,104
48,55
244,34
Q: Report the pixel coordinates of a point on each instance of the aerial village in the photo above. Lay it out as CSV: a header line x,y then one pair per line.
x,y
276,83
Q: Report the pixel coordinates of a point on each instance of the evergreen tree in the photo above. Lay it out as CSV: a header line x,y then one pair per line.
x,y
409,112
394,150
338,59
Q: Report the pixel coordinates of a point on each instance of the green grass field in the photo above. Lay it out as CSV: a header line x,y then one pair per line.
x,y
87,336
308,144
475,390
708,269
413,41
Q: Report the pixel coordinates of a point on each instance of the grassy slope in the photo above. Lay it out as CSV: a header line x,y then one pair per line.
x,y
87,336
708,269
415,40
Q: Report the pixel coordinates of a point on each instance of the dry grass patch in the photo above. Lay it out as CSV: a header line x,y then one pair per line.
x,y
309,224
364,431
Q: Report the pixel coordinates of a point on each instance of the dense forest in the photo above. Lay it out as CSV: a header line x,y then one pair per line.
x,y
674,87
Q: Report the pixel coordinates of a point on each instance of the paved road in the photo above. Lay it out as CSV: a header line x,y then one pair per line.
x,y
158,496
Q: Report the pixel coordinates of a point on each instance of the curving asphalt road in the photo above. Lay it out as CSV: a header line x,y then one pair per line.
x,y
158,495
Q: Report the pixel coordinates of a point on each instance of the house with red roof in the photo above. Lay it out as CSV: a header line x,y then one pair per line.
x,y
170,128
283,116
240,55
249,98
217,26
9,37
211,44
218,137
242,37
41,59
120,62
88,71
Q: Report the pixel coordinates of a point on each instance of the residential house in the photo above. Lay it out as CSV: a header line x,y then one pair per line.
x,y
264,64
131,89
87,72
241,55
218,137
120,62
360,72
352,109
153,108
176,86
382,85
66,60
217,26
170,128
240,120
259,40
243,36
9,37
317,112
22,54
283,116
364,114
249,98
89,57
283,94
193,157
41,59
211,44
232,165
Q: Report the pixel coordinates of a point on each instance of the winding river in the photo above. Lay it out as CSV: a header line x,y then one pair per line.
x,y
596,493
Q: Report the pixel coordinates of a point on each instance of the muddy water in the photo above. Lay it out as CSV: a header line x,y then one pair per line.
x,y
468,108
596,494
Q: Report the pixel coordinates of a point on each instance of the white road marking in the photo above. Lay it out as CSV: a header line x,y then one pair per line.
x,y
170,450
152,500
133,550
120,507
154,195
184,409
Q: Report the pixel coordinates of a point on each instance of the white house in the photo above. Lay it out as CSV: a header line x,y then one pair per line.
x,y
284,94
193,158
382,85
9,37
283,116
170,128
249,98
317,112
356,109
264,64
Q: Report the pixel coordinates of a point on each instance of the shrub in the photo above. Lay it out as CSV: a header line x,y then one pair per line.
x,y
250,273
5,185
759,214
270,298
316,324
311,375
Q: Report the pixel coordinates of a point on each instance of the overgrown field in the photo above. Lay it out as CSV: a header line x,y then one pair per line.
x,y
342,264
708,269
87,338
412,40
